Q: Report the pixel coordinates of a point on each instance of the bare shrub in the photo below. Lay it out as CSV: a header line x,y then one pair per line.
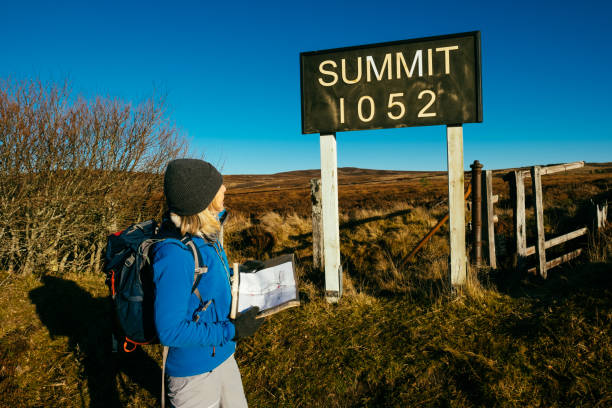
x,y
71,170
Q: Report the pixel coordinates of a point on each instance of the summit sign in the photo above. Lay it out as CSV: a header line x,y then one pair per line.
x,y
420,82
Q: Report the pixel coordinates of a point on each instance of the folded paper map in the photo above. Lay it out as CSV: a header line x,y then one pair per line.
x,y
272,289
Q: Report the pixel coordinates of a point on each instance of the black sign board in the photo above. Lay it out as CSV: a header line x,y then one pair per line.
x,y
420,82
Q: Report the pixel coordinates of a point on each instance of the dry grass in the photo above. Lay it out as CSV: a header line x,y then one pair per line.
x,y
398,337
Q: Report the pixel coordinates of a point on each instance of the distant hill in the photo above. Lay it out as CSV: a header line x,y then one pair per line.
x,y
290,191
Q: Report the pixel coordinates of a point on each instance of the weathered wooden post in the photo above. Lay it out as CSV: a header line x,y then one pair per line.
x,y
317,230
456,205
489,217
540,247
602,215
517,186
331,226
477,211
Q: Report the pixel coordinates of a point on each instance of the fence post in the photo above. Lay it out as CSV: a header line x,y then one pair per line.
x,y
520,229
477,210
489,217
540,247
602,215
317,230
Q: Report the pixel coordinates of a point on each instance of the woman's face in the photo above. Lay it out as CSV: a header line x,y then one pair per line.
x,y
218,201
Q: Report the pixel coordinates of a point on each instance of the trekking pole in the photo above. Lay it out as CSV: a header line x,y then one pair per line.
x,y
235,282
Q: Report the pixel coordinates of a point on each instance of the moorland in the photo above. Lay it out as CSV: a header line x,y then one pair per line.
x,y
398,337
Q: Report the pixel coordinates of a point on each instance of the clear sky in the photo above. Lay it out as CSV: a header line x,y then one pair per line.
x,y
231,73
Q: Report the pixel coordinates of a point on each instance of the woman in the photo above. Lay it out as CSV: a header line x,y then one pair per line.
x,y
201,368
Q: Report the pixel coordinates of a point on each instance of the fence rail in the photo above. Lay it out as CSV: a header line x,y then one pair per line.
x,y
559,240
557,168
558,261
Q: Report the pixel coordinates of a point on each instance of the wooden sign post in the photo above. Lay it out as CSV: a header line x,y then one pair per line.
x,y
456,205
331,229
420,82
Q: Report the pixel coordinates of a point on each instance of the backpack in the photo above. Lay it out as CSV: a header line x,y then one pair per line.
x,y
129,277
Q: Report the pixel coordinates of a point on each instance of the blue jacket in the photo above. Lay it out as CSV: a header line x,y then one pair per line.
x,y
198,346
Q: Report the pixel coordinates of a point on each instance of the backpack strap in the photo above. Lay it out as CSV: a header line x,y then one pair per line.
x,y
200,268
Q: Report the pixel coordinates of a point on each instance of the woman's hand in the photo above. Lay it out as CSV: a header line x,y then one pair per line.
x,y
246,323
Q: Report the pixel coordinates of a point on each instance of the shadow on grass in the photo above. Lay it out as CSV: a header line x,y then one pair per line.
x,y
69,310
583,289
303,241
580,277
352,224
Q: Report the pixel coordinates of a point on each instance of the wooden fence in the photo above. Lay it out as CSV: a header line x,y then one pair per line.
x,y
517,181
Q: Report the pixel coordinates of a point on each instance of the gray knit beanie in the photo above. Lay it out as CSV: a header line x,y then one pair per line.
x,y
190,185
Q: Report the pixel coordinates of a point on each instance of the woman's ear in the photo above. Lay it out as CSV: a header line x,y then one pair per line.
x,y
176,220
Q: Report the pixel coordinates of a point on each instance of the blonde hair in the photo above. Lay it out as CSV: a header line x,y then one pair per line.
x,y
205,223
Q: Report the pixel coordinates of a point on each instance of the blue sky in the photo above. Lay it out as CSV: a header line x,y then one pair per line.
x,y
231,73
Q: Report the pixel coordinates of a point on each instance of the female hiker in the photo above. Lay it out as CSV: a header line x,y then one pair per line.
x,y
192,317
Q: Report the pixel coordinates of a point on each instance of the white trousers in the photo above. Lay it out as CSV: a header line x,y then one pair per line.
x,y
220,388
